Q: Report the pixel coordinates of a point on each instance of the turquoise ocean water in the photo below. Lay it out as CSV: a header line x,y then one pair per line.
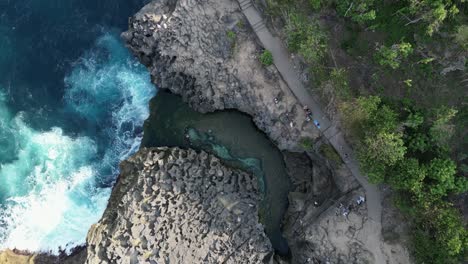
x,y
72,106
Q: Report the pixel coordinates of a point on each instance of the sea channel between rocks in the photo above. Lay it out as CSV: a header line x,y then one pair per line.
x,y
232,137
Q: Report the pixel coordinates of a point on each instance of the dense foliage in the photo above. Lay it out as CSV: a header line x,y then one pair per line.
x,y
414,144
392,56
359,11
305,37
422,173
430,13
461,36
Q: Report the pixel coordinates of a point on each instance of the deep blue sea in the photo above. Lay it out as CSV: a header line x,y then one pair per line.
x,y
72,105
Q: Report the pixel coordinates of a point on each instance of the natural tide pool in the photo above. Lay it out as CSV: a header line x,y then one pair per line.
x,y
233,137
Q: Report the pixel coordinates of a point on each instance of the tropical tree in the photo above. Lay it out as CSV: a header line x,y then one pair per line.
x,y
394,55
408,175
441,173
432,13
359,11
379,152
305,37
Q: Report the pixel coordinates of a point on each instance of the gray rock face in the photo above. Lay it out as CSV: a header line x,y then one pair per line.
x,y
326,224
179,206
205,52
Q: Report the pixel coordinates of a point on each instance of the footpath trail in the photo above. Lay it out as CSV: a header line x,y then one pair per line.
x,y
282,61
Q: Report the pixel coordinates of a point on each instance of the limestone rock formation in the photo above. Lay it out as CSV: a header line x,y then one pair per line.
x,y
326,224
179,206
205,51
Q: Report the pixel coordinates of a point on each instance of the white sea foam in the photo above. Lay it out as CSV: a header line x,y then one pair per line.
x,y
51,191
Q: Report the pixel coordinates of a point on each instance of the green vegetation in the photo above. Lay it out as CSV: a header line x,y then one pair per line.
x,y
432,13
305,37
231,35
330,153
392,56
461,37
316,4
306,143
339,80
266,58
407,149
405,118
359,11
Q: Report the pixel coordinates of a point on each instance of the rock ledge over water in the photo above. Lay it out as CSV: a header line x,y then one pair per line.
x,y
206,52
179,206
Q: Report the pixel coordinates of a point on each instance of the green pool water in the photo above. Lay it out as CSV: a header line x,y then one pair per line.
x,y
234,138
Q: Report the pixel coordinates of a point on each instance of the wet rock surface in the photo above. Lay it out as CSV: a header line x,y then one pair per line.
x,y
205,51
179,206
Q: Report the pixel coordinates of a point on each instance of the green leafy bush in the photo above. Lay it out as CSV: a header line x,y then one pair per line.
x,y
231,35
266,58
432,13
379,152
330,153
359,11
393,56
442,129
316,4
439,236
461,37
339,79
408,175
305,37
359,111
306,143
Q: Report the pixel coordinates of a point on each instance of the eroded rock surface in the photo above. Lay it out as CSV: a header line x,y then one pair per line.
x,y
179,206
326,224
205,51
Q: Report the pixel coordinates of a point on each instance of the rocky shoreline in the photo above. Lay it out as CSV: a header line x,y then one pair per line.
x,y
180,206
174,205
206,52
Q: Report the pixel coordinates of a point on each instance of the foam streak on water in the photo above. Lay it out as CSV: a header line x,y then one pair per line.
x,y
54,186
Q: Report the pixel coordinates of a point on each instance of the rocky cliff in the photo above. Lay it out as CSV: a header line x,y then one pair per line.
x,y
206,52
179,206
326,221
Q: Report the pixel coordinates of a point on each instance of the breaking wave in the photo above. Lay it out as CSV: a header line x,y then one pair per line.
x,y
54,185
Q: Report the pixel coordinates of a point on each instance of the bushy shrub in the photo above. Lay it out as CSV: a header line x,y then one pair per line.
x,y
305,37
393,56
339,79
316,4
266,58
306,143
231,35
359,11
461,37
330,153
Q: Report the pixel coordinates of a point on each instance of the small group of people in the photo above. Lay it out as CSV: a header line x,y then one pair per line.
x,y
308,112
345,210
360,200
309,116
